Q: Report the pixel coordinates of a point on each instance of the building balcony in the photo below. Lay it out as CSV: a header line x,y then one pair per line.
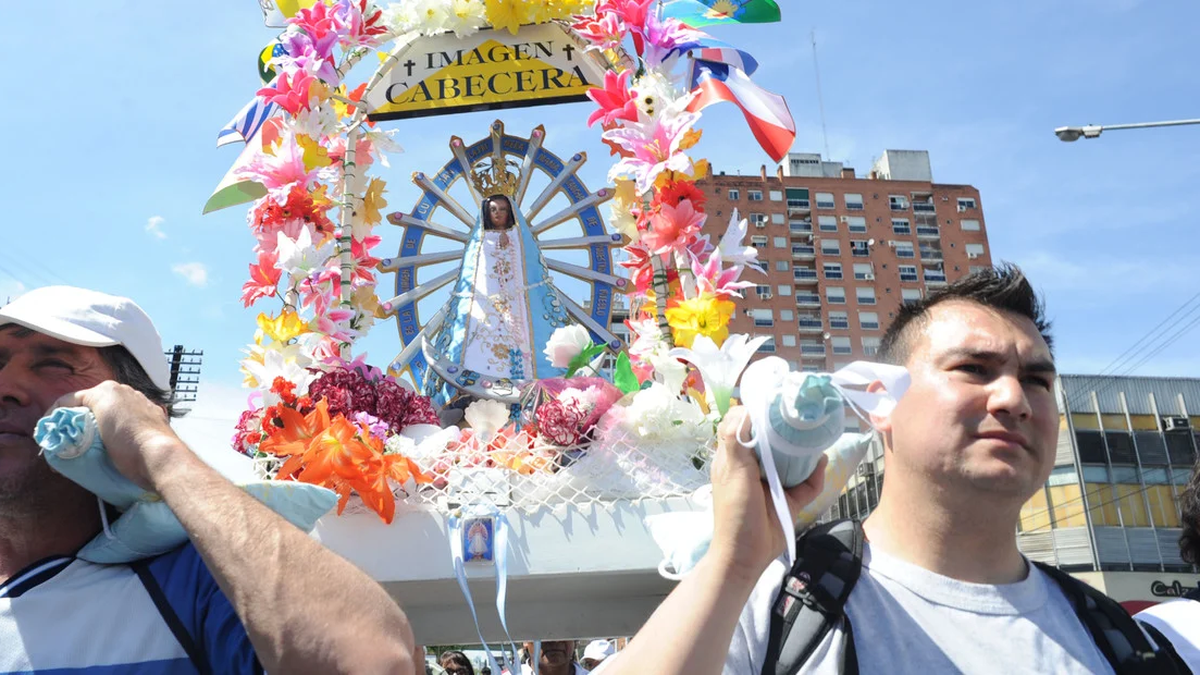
x,y
931,256
800,252
805,277
800,229
924,207
812,351
935,279
808,300
799,207
811,326
926,232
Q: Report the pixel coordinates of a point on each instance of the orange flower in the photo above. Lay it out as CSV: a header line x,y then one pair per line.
x,y
293,438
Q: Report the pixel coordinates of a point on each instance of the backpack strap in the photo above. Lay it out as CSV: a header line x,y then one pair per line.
x,y
1193,594
195,654
813,597
1164,645
1115,633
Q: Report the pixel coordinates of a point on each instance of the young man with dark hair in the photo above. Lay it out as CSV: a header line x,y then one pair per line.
x,y
933,581
1178,621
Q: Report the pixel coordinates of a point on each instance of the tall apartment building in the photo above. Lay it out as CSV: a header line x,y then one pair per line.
x,y
841,253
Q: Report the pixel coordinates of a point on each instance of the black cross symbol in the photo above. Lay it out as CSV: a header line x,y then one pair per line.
x,y
410,64
568,49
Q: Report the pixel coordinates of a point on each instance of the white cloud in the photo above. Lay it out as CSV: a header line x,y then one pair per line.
x,y
154,227
194,273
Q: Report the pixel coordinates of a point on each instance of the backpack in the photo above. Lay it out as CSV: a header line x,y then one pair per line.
x,y
828,563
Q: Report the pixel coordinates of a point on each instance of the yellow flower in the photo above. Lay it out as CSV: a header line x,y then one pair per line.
x,y
625,197
699,172
367,302
373,201
314,154
283,328
690,138
703,315
506,14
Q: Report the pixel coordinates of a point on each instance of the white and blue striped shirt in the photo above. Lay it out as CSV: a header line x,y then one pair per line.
x,y
66,616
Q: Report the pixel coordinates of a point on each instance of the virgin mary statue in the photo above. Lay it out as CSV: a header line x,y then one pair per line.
x,y
503,309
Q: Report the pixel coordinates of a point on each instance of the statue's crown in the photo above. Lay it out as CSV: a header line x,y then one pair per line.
x,y
495,179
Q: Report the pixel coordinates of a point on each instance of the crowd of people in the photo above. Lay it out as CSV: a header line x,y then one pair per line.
x,y
931,582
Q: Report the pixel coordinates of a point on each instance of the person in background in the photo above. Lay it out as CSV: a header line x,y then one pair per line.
x,y
595,653
456,663
557,657
1178,621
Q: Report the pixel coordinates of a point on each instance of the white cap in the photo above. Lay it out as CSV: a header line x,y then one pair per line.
x,y
599,650
92,319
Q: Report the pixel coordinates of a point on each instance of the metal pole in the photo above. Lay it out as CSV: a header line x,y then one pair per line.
x,y
1148,125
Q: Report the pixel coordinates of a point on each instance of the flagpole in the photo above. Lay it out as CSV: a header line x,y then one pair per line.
x,y
820,100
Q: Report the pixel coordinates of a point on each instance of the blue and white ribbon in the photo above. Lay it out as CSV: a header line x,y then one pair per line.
x,y
500,554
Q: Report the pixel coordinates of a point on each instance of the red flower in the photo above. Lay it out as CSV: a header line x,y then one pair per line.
x,y
677,191
269,215
264,279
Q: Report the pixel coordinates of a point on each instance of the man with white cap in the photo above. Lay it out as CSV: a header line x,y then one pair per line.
x,y
595,653
249,593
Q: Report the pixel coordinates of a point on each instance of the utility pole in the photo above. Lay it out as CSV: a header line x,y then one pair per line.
x,y
185,373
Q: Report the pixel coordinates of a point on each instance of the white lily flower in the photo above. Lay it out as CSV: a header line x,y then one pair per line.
x,y
299,257
720,368
732,250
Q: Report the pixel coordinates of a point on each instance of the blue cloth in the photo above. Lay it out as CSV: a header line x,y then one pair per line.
x,y
147,527
66,615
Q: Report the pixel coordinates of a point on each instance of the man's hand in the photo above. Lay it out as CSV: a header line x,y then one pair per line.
x,y
746,534
135,431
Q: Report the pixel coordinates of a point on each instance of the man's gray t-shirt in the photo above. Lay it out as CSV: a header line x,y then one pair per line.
x,y
907,619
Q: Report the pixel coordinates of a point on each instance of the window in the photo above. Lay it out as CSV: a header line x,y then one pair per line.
x,y
965,203
970,225
804,274
841,345
776,195
800,226
763,318
935,275
807,298
901,226
865,295
868,320
831,247
870,346
785,289
789,340
768,347
758,219
909,273
835,295
777,218
839,320
764,291
1091,447
856,223
910,295
974,251
833,271
787,315
859,249
755,195
898,202
780,242
854,202
1179,449
827,223
864,271
904,249
782,265
825,200
758,241
734,195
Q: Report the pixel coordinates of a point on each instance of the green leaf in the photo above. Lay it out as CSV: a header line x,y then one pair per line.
x,y
623,376
583,359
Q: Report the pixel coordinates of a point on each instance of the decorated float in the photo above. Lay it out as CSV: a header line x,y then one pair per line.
x,y
514,448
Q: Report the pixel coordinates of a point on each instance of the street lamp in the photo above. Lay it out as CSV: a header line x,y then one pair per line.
x,y
1071,134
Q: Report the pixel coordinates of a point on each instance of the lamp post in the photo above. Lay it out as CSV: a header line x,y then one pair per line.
x,y
1072,134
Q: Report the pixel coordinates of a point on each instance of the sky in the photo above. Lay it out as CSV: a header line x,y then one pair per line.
x,y
112,154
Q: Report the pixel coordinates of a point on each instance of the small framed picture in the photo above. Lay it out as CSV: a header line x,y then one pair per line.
x,y
477,540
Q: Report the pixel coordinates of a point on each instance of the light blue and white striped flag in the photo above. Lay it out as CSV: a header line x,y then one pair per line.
x,y
247,122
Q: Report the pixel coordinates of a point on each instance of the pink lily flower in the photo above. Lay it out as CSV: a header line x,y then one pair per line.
x,y
721,282
264,279
602,31
653,147
673,228
616,100
290,92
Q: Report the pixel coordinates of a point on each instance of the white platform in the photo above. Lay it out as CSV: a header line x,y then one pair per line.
x,y
574,572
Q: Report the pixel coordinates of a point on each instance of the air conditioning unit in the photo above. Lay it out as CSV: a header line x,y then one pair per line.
x,y
973,256
892,244
869,277
1176,424
865,470
762,224
845,219
961,208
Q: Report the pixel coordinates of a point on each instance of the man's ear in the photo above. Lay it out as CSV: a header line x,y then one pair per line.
x,y
883,424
